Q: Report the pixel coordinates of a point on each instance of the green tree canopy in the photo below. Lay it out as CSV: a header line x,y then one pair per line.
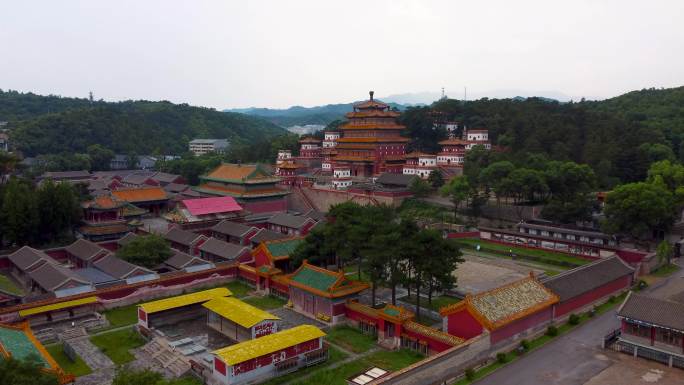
x,y
24,372
146,250
638,209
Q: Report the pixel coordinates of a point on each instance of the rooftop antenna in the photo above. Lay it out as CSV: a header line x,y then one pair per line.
x,y
442,92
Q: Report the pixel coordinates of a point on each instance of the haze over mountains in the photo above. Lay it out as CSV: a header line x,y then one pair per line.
x,y
297,117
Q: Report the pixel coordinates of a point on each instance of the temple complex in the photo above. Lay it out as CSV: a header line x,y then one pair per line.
x,y
250,184
371,141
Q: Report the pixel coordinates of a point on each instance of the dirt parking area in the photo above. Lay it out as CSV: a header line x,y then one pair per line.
x,y
627,370
479,274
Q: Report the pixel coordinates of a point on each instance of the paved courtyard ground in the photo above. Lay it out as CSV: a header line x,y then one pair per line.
x,y
478,274
626,370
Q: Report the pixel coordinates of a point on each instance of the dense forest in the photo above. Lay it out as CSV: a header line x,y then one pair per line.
x,y
53,125
619,137
298,115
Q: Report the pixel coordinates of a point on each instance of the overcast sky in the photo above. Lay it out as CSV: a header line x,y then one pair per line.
x,y
227,54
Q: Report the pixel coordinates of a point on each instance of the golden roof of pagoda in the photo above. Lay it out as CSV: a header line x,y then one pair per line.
x,y
372,114
388,139
372,126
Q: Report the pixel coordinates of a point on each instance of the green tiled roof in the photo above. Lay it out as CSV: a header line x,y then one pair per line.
x,y
392,312
315,279
19,345
283,248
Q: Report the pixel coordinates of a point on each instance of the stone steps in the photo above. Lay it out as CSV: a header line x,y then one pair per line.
x,y
70,334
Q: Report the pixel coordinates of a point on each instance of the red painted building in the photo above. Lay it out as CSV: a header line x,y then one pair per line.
x,y
371,141
504,312
103,219
583,286
394,327
652,328
321,293
260,359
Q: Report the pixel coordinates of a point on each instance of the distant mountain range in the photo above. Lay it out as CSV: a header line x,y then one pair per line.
x,y
297,118
303,116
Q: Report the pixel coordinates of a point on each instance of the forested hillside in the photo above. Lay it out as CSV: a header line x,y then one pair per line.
x,y
298,115
15,106
65,125
619,138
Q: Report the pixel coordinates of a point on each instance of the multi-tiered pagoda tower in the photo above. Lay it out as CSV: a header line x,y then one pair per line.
x,y
371,141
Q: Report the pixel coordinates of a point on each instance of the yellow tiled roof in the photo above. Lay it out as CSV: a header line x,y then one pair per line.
x,y
142,194
268,344
233,171
184,300
239,312
57,306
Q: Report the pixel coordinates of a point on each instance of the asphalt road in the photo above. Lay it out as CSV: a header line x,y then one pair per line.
x,y
575,357
572,359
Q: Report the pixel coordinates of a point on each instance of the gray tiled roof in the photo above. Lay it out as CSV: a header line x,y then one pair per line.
x,y
82,174
656,311
267,235
84,249
50,276
180,260
583,279
232,229
126,239
395,179
116,267
176,187
288,220
26,257
165,177
181,236
222,249
93,275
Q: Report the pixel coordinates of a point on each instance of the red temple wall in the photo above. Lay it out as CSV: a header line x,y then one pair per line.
x,y
433,345
260,258
323,305
274,205
248,275
463,324
247,237
521,325
357,316
591,296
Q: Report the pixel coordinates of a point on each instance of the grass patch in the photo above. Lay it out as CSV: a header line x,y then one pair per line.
x,y
350,338
116,345
395,359
239,289
122,316
391,360
437,302
414,208
665,270
544,256
78,368
7,285
266,303
335,355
